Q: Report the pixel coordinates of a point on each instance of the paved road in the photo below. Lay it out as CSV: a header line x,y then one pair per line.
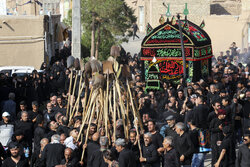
x,y
134,46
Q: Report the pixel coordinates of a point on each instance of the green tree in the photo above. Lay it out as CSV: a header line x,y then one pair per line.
x,y
104,23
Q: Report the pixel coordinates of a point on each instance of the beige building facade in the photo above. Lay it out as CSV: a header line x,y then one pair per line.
x,y
225,20
150,11
27,40
22,41
225,29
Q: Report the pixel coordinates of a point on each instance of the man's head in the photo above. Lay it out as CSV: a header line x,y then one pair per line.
x,y
35,106
23,106
53,100
223,93
74,133
225,101
67,154
147,138
151,126
40,120
168,142
180,128
12,96
193,98
221,114
200,100
171,121
55,138
24,116
180,94
248,95
65,121
59,100
6,117
104,141
212,88
57,116
132,136
216,105
49,106
44,142
246,139
62,138
240,84
172,99
14,149
92,128
95,137
120,144
19,135
53,125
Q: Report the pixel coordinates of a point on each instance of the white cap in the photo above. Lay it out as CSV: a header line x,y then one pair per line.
x,y
5,114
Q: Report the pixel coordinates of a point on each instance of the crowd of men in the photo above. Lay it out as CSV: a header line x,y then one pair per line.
x,y
181,123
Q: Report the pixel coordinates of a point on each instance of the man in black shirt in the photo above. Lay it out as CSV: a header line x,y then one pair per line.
x,y
39,132
198,157
92,146
184,145
149,153
216,106
53,153
243,158
26,126
96,159
33,114
133,145
157,139
227,156
126,156
15,160
200,113
171,157
53,129
69,160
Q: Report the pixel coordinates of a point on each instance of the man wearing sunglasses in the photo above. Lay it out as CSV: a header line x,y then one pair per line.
x,y
244,152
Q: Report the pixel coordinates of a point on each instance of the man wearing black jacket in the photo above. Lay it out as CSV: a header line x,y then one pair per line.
x,y
133,145
171,157
149,153
16,160
26,126
185,146
96,159
39,132
156,138
53,153
126,156
200,113
92,146
69,160
198,157
244,153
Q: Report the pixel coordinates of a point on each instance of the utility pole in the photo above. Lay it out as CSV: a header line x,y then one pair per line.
x,y
35,6
182,50
76,29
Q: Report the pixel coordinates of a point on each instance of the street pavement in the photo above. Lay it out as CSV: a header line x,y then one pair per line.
x,y
134,46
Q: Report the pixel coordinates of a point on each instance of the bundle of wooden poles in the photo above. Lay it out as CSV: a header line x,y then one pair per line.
x,y
104,106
